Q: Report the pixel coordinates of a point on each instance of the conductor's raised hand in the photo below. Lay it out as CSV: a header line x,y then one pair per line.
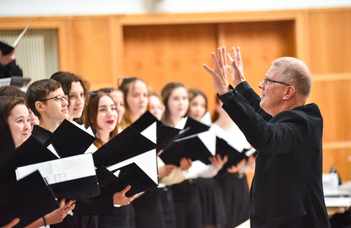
x,y
219,73
236,67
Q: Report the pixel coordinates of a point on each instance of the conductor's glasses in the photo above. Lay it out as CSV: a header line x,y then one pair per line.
x,y
273,81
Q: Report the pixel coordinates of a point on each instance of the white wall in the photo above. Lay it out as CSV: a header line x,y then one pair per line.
x,y
86,7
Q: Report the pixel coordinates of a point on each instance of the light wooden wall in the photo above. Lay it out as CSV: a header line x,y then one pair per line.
x,y
330,54
172,47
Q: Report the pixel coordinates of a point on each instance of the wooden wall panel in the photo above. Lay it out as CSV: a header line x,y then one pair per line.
x,y
333,96
164,53
334,101
330,46
90,55
341,158
330,51
260,43
116,49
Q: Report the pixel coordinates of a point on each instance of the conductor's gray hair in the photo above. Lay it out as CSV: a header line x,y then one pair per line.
x,y
295,73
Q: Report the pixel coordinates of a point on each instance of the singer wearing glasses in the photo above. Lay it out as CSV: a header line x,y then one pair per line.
x,y
49,103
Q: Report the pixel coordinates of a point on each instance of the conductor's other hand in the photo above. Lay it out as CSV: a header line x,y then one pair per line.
x,y
219,73
236,67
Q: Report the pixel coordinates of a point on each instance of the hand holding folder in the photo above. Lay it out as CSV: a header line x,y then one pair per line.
x,y
197,143
140,172
234,156
27,199
30,152
224,149
131,157
70,178
12,223
196,147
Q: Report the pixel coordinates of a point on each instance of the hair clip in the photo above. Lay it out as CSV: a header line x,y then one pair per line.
x,y
93,93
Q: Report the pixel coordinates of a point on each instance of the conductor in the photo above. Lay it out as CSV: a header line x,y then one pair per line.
x,y
287,187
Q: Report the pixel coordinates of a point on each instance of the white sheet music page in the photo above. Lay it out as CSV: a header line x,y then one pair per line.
x,y
150,132
208,138
60,170
181,123
206,119
146,161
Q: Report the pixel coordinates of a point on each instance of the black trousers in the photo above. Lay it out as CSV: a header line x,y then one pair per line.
x,y
148,210
236,198
187,204
119,218
166,195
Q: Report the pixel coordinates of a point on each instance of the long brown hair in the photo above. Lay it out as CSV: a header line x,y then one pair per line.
x,y
66,79
166,93
125,87
90,117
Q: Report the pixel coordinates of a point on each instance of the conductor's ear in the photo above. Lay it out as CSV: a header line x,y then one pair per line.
x,y
289,93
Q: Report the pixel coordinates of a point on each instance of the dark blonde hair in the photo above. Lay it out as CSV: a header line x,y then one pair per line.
x,y
125,87
166,93
90,117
